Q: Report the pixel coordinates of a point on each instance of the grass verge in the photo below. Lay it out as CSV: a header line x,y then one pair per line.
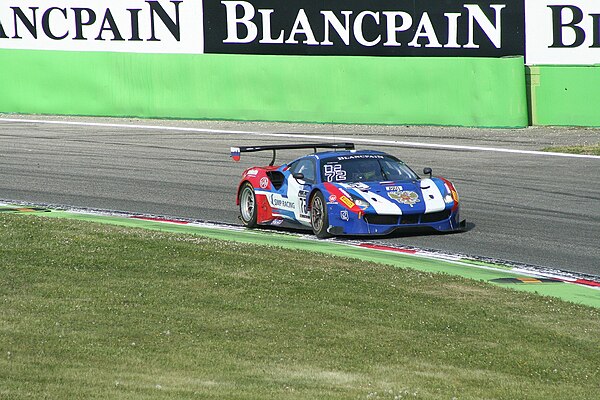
x,y
97,311
592,150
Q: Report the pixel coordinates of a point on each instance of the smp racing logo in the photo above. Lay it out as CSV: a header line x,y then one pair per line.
x,y
279,202
353,27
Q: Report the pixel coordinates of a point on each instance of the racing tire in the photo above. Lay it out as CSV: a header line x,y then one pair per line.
x,y
247,200
319,220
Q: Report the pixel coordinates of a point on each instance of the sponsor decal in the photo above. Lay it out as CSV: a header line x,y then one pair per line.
x,y
347,202
343,191
282,203
277,221
360,186
359,156
480,28
394,188
407,197
344,215
135,26
252,172
332,198
264,182
562,32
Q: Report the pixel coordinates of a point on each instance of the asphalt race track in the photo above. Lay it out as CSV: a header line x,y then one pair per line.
x,y
520,205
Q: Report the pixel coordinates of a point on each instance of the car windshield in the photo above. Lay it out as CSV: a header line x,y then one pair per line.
x,y
365,168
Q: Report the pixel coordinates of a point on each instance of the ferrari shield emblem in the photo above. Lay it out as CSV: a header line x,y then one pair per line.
x,y
405,197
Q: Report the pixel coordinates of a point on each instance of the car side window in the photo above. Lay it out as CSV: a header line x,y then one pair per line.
x,y
306,167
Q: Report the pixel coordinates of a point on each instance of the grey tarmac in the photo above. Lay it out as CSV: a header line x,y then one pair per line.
x,y
535,209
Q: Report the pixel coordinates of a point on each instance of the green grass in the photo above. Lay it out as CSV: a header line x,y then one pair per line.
x,y
593,150
97,311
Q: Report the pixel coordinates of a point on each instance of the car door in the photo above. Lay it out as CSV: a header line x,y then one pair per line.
x,y
300,187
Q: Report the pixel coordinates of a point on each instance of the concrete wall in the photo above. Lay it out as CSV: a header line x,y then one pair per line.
x,y
564,95
487,92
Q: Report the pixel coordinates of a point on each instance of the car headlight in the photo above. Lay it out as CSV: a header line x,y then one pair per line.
x,y
451,195
362,203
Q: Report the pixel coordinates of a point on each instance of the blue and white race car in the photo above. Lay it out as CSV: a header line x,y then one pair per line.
x,y
344,191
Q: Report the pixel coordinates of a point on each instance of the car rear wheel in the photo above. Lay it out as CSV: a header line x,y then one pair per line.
x,y
319,219
248,205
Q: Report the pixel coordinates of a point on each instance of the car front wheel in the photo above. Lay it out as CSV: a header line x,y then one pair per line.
x,y
318,216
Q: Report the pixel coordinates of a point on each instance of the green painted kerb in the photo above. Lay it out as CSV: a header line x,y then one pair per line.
x,y
369,90
565,291
565,95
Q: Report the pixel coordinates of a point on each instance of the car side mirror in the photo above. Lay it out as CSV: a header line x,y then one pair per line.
x,y
427,171
298,176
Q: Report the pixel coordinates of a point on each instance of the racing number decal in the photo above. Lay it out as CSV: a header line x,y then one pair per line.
x,y
334,172
297,195
302,194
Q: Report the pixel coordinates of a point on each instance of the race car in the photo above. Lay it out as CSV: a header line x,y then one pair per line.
x,y
343,191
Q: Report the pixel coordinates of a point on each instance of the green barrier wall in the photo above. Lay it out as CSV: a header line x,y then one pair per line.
x,y
372,90
564,95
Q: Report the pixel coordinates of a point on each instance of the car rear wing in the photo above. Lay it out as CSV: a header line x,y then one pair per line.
x,y
236,151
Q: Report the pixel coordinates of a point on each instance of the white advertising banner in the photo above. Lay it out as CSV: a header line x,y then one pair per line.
x,y
136,26
554,32
562,32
